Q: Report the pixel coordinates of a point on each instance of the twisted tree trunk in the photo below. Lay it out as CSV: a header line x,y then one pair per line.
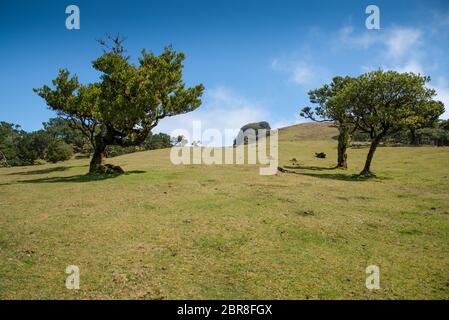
x,y
374,144
96,163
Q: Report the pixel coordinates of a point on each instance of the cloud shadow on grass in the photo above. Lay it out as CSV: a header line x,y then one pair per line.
x,y
79,178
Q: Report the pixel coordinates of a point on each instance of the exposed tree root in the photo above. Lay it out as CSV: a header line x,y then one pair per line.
x,y
367,174
106,169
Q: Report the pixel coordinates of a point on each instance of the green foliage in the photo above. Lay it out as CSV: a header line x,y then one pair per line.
x,y
58,151
115,151
437,135
26,153
382,103
40,142
128,101
22,148
378,105
152,142
157,141
68,131
9,136
33,146
327,108
57,142
444,124
433,136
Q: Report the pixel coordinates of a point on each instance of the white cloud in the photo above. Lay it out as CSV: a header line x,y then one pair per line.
x,y
442,89
302,72
399,48
396,42
348,36
411,66
283,123
401,40
222,109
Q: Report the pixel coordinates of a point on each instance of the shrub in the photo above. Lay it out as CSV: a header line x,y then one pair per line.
x,y
59,151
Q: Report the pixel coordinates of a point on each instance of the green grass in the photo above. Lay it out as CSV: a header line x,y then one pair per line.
x,y
212,232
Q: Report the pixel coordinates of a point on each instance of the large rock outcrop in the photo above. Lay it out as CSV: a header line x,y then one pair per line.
x,y
256,126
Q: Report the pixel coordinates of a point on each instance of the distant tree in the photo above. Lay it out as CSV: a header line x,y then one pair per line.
x,y
67,130
22,148
433,134
58,151
385,102
116,150
179,138
179,141
444,124
152,142
26,151
127,103
9,136
33,146
329,110
436,136
3,159
428,118
157,141
40,141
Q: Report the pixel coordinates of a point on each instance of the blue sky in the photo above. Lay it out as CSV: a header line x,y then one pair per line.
x,y
257,59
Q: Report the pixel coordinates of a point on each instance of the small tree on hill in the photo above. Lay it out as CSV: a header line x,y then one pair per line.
x,y
385,102
328,110
127,102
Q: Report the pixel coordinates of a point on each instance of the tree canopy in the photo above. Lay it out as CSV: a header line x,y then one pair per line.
x,y
127,102
384,102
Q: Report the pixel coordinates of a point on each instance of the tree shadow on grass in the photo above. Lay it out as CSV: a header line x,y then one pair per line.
x,y
314,168
42,171
331,176
340,176
80,178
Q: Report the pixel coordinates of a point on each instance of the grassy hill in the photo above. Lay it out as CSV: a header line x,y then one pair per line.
x,y
163,231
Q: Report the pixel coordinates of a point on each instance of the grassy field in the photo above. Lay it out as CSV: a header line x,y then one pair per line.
x,y
224,232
